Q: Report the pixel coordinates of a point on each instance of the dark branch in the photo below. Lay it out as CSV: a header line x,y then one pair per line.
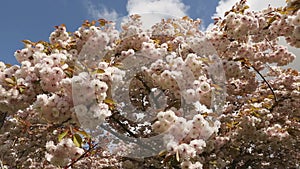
x,y
2,118
266,83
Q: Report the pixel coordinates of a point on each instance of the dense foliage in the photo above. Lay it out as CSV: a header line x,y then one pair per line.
x,y
170,96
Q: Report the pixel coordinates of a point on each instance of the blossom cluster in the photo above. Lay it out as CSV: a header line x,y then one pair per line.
x,y
241,26
185,137
62,153
185,78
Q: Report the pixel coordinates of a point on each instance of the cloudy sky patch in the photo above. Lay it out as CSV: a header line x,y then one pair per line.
x,y
153,11
97,11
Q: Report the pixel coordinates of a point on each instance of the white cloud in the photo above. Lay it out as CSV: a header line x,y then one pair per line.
x,y
296,63
256,5
100,11
153,11
259,4
225,5
170,7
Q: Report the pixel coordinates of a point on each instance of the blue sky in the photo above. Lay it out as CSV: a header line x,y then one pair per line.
x,y
35,19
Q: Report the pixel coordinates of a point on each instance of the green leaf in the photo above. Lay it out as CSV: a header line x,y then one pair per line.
x,y
21,90
27,42
77,140
163,153
82,132
99,71
62,135
111,104
109,101
10,81
8,65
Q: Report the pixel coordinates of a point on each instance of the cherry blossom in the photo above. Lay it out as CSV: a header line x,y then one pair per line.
x,y
170,96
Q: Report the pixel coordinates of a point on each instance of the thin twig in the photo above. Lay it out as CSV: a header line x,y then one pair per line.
x,y
270,43
247,64
266,83
82,156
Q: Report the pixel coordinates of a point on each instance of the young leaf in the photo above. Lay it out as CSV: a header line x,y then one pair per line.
x,y
21,89
163,153
102,22
27,42
99,71
110,103
185,18
77,140
10,80
8,65
82,132
62,135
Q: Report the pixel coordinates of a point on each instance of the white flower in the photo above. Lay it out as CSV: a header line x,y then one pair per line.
x,y
48,157
50,146
66,143
39,47
170,116
76,151
42,99
197,165
99,85
198,145
172,146
103,65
